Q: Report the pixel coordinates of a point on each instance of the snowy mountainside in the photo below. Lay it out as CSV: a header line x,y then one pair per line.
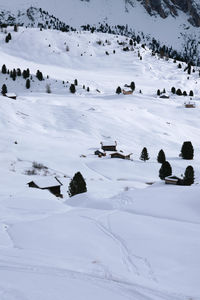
x,y
174,30
130,236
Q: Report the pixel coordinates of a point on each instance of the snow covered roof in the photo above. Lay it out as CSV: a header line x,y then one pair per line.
x,y
172,178
109,143
46,182
11,95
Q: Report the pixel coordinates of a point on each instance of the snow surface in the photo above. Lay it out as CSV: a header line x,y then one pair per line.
x,y
124,238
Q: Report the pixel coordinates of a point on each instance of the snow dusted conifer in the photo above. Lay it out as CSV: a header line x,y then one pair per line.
x,y
77,185
165,170
4,89
28,84
187,150
118,90
144,154
161,157
3,69
189,176
72,89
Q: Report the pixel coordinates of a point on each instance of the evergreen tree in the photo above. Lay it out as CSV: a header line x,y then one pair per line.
x,y
14,74
118,90
187,150
189,176
39,75
28,84
132,86
161,157
24,74
179,92
77,185
4,89
165,170
191,94
88,89
185,93
15,28
19,73
158,92
3,69
173,90
144,154
72,89
75,82
179,66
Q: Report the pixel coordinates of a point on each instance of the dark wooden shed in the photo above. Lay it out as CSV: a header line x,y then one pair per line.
x,y
11,96
109,146
51,184
173,180
120,155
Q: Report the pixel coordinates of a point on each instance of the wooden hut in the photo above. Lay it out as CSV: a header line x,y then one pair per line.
x,y
109,146
99,153
11,96
129,92
172,180
120,155
51,184
190,105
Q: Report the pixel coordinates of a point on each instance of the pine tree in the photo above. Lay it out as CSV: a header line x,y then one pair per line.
x,y
88,89
179,92
19,73
188,176
173,90
144,154
75,82
185,93
14,74
4,89
15,28
187,150
72,89
158,92
39,75
77,185
3,69
191,94
132,86
28,84
118,90
165,170
161,157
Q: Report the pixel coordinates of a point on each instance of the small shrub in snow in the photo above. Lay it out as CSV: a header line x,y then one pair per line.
x,y
48,89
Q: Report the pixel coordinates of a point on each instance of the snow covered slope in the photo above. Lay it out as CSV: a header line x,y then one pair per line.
x,y
124,238
174,30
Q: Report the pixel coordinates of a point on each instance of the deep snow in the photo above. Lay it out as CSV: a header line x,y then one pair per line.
x,y
124,239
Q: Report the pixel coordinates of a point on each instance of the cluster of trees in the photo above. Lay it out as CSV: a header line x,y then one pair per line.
x,y
18,73
187,152
180,93
72,87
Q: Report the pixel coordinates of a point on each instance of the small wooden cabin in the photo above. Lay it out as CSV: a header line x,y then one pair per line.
x,y
51,184
99,153
129,92
164,97
172,180
11,96
109,146
120,155
190,105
